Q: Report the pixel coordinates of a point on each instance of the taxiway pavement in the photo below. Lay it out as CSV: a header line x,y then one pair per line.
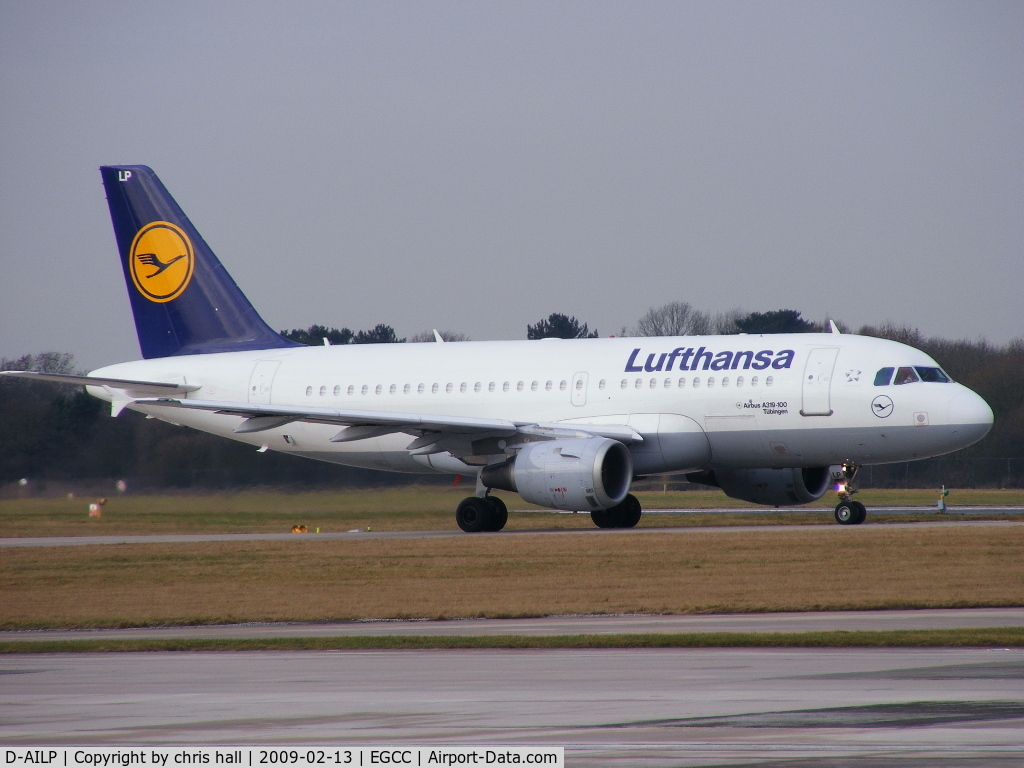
x,y
185,538
961,618
610,707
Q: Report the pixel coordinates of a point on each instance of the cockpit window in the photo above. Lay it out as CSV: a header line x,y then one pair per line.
x,y
883,377
934,375
905,375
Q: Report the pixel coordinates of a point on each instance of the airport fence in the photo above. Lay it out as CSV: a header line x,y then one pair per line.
x,y
952,473
927,473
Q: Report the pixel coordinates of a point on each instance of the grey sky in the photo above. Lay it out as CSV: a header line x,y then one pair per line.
x,y
477,166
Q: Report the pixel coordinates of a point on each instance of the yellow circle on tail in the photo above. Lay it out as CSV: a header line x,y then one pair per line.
x,y
161,261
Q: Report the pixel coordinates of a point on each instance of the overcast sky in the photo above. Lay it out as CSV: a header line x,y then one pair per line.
x,y
477,166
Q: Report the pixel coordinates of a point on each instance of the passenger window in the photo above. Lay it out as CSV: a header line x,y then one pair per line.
x,y
548,385
883,377
462,387
351,389
696,382
638,383
519,387
420,388
504,387
337,389
682,383
562,385
323,390
393,389
378,389
725,381
668,383
905,375
654,383
739,381
769,381
533,386
478,386
406,389
753,381
365,389
932,375
711,381
490,387
433,388
309,391
448,388
624,384
600,384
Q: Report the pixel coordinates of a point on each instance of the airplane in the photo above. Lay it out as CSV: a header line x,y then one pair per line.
x,y
567,424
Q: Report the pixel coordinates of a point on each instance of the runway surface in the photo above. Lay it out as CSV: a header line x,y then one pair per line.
x,y
793,707
79,541
564,625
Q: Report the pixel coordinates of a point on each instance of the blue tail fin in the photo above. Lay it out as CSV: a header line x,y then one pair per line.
x,y
184,301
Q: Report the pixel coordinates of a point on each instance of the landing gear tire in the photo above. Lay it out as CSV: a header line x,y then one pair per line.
x,y
499,513
625,514
846,513
475,514
862,512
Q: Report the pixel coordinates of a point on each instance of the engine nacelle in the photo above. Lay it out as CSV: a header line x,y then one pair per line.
x,y
774,487
586,474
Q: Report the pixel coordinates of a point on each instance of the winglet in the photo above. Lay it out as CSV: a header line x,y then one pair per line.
x,y
833,326
437,337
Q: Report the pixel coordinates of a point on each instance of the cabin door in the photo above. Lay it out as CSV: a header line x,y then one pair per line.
x,y
817,399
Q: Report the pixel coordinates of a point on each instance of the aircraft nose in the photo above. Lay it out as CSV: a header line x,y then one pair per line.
x,y
971,414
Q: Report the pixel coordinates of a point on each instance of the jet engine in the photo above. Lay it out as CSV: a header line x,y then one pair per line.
x,y
774,487
585,474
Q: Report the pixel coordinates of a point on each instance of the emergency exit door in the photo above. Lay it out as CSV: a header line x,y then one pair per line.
x,y
261,380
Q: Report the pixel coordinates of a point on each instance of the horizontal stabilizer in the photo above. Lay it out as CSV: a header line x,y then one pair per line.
x,y
142,388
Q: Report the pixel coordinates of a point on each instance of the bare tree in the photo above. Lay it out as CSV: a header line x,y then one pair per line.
x,y
425,336
673,319
678,318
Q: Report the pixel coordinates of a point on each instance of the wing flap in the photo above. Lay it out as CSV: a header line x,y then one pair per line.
x,y
433,433
344,417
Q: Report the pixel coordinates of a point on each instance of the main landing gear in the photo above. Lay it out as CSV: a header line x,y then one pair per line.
x,y
625,514
476,514
848,511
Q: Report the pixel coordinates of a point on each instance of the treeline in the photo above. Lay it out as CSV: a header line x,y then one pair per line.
x,y
58,433
52,432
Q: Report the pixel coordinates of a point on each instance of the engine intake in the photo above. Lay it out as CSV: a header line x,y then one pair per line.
x,y
774,487
587,474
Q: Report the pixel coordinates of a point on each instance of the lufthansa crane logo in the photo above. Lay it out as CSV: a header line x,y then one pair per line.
x,y
161,261
881,406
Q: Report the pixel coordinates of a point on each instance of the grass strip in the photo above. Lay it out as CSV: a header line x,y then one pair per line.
x,y
1003,637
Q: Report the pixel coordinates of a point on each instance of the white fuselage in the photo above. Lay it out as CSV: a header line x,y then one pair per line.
x,y
813,407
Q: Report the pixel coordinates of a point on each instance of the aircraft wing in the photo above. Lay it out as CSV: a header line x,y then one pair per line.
x,y
140,388
435,433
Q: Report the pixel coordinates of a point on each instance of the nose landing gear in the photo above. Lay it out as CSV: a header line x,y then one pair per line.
x,y
848,511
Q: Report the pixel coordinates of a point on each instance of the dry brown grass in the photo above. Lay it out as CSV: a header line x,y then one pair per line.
x,y
773,569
